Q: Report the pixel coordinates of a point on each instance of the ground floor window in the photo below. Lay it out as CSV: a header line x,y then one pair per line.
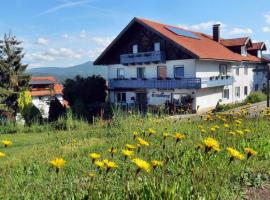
x,y
121,97
237,92
226,94
246,90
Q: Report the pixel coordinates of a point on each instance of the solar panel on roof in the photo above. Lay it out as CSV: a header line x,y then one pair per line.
x,y
182,32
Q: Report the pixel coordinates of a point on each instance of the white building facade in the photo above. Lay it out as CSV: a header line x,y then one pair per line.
x,y
157,77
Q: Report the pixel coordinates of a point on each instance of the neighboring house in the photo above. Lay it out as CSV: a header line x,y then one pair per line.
x,y
150,63
43,89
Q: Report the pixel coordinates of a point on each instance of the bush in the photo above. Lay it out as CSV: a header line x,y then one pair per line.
x,y
56,110
255,97
32,115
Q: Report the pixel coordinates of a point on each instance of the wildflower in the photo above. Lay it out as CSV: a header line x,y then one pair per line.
x,y
7,143
91,174
250,152
165,135
246,130
151,131
142,142
239,132
2,154
130,146
99,164
127,153
226,126
57,163
156,163
213,129
211,143
231,132
94,156
141,164
238,122
203,131
135,133
179,136
235,154
110,164
112,151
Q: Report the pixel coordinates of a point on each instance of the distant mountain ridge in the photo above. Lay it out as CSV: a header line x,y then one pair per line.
x,y
62,73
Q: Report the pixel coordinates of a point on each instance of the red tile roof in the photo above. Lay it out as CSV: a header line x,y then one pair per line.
x,y
203,48
234,42
257,46
44,78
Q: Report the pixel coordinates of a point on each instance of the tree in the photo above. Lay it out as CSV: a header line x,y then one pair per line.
x,y
56,110
85,95
13,80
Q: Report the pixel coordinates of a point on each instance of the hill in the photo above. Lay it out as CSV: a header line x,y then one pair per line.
x,y
62,73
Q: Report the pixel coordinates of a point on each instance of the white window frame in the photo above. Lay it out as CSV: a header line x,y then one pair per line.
x,y
245,70
174,71
119,74
228,94
245,94
237,71
243,50
157,46
135,48
237,93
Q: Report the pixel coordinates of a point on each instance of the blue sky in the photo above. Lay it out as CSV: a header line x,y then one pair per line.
x,y
63,33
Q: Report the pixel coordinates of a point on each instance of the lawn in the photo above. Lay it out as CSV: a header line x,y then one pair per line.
x,y
187,167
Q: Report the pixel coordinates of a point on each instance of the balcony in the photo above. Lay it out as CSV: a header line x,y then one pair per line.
x,y
184,83
216,81
142,58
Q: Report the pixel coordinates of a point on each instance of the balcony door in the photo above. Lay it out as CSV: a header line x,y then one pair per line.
x,y
141,101
140,72
162,72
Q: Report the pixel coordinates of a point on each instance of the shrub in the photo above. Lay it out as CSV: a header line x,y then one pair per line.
x,y
56,110
255,97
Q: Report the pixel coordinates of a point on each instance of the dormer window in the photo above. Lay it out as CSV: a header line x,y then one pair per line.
x,y
243,50
259,54
135,48
157,46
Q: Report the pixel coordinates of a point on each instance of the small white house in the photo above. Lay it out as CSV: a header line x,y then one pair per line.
x,y
43,89
150,63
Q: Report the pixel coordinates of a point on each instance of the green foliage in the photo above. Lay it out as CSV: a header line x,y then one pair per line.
x,y
24,100
56,110
13,79
226,107
255,97
86,96
32,115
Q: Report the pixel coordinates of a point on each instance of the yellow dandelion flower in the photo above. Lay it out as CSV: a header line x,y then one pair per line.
x,y
179,136
235,154
250,152
156,163
211,143
231,132
165,135
226,126
6,143
213,129
94,156
240,132
112,150
135,133
2,154
130,146
91,174
127,153
110,165
151,131
203,131
142,142
99,164
57,163
141,164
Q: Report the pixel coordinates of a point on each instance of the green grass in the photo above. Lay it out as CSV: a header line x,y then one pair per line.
x,y
188,172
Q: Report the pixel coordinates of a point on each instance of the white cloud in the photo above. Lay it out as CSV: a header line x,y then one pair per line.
x,y
266,29
241,31
201,26
42,41
267,43
103,41
83,34
65,36
267,18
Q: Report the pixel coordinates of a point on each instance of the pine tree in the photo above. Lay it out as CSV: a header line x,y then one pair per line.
x,y
12,77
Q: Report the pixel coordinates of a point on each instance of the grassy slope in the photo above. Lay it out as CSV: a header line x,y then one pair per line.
x,y
187,173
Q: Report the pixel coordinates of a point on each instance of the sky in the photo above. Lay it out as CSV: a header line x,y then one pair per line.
x,y
62,33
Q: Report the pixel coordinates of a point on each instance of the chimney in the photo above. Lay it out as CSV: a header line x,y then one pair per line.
x,y
216,32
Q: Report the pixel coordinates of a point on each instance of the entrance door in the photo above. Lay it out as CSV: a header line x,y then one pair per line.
x,y
141,100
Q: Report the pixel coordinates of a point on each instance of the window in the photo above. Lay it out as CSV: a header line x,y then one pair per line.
x,y
157,46
179,72
246,90
237,71
120,73
121,97
256,70
246,70
161,72
243,50
226,94
140,72
256,87
223,70
237,92
135,48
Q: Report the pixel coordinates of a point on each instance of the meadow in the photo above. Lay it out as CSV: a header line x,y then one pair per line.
x,y
134,157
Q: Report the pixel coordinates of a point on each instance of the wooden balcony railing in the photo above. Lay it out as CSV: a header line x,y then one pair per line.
x,y
141,58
